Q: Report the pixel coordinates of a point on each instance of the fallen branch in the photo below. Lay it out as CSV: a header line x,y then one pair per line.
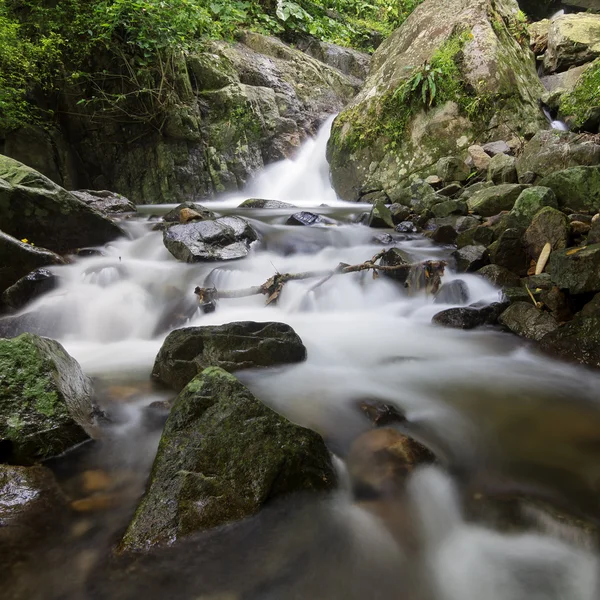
x,y
428,272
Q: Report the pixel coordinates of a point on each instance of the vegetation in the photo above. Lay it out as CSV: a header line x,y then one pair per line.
x,y
584,99
121,58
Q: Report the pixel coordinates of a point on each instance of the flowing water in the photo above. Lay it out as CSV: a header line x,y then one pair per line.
x,y
509,426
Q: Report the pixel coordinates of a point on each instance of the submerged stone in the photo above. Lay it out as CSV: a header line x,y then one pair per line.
x,y
105,202
223,455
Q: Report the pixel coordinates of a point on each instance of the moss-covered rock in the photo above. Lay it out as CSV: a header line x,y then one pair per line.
x,y
223,455
508,251
491,201
45,399
486,88
576,269
577,188
502,169
526,320
580,106
234,346
548,226
530,202
499,276
35,208
576,341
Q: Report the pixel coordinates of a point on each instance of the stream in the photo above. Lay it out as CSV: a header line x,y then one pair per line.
x,y
509,426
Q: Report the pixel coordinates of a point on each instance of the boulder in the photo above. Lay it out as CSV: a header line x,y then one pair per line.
x,y
560,84
443,234
451,168
226,238
576,269
20,258
45,400
453,292
262,203
577,188
502,169
551,151
471,258
177,215
478,236
499,276
469,317
223,455
392,258
234,346
538,36
508,251
548,226
530,202
380,141
491,201
348,61
28,288
576,341
381,216
304,219
104,201
399,213
35,208
524,319
497,147
580,105
481,159
449,207
572,40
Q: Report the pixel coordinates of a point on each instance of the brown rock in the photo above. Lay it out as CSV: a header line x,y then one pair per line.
x,y
481,159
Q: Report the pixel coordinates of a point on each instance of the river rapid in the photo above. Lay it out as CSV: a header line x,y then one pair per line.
x,y
509,426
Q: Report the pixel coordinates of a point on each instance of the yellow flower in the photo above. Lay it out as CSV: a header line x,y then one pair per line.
x,y
25,240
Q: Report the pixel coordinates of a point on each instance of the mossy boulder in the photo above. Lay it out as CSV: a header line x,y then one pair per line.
x,y
576,269
381,215
226,238
499,276
548,226
491,201
223,455
577,188
580,105
502,169
17,259
233,346
487,89
35,208
530,202
45,400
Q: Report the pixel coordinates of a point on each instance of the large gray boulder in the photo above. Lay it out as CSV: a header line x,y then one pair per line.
x,y
35,208
45,399
234,346
491,201
379,139
223,455
226,238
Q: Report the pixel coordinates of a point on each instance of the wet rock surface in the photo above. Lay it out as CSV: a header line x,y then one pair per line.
x,y
28,288
469,317
105,201
526,320
234,346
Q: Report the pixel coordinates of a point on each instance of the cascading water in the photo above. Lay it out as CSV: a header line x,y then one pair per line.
x,y
501,417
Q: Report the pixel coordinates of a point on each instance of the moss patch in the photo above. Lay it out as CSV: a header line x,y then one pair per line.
x,y
579,103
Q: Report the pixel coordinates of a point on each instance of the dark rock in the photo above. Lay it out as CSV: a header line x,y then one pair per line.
x,y
453,292
445,234
471,258
35,208
392,258
499,276
385,239
542,281
475,236
17,259
556,302
594,234
495,148
469,317
576,269
399,213
375,197
579,228
262,203
451,189
530,202
491,201
502,169
85,252
587,219
524,319
577,188
223,455
381,414
380,216
304,218
576,341
234,346
406,227
451,168
227,238
467,222
31,286
591,308
104,201
548,225
509,252
513,295
45,399
449,207
175,215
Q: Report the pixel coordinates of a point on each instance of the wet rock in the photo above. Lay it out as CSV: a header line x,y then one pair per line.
x,y
262,203
496,148
392,258
556,302
576,269
530,202
304,219
444,234
467,222
524,319
104,201
31,286
451,168
380,461
175,215
380,216
481,159
452,189
550,151
385,239
469,317
499,276
223,455
508,251
381,414
576,341
449,207
234,346
475,236
577,188
35,208
227,238
45,400
502,169
491,201
375,196
548,226
18,259
406,227
471,258
533,282
513,295
453,292
399,213
579,228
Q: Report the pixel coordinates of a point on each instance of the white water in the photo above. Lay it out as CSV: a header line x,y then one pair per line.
x,y
473,396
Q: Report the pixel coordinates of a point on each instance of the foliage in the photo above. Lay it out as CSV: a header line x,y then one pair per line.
x,y
579,104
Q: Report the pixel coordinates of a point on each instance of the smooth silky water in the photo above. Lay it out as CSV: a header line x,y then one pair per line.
x,y
503,420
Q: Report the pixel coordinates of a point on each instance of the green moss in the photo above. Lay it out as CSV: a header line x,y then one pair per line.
x,y
579,103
